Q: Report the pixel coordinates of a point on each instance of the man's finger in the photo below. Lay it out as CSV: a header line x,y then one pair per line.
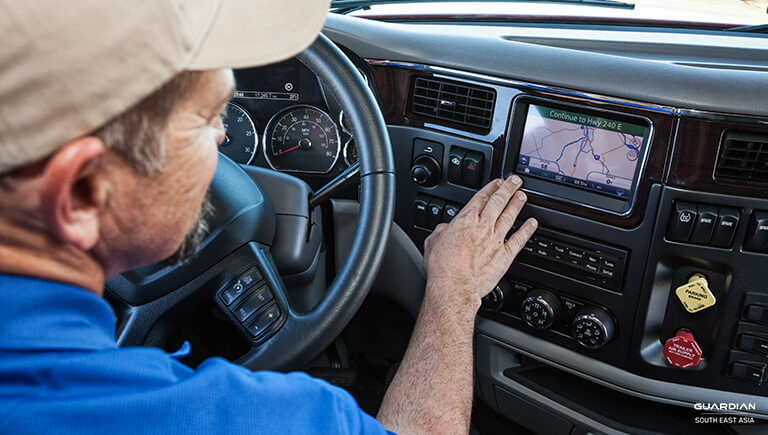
x,y
477,203
520,237
498,201
508,216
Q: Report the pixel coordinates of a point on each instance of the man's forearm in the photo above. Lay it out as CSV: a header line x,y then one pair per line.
x,y
432,390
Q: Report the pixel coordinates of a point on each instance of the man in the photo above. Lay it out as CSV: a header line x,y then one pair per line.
x,y
106,109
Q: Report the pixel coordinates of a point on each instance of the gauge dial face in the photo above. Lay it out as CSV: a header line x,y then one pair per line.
x,y
301,139
241,141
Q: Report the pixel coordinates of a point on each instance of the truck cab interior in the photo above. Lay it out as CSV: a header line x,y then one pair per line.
x,y
641,133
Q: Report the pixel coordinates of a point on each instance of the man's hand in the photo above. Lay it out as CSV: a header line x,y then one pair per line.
x,y
432,391
468,257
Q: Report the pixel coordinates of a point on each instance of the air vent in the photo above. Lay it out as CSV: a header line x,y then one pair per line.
x,y
453,101
743,156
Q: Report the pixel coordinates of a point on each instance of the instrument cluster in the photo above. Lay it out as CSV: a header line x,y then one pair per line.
x,y
281,118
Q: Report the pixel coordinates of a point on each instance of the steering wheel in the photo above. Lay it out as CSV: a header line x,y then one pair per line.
x,y
235,267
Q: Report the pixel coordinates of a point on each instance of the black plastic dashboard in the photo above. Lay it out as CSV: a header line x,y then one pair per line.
x,y
604,272
606,268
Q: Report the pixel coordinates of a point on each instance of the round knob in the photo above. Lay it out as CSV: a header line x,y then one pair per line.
x,y
425,171
494,300
682,350
593,327
540,308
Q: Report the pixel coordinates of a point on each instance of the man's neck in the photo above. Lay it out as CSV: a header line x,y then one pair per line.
x,y
37,256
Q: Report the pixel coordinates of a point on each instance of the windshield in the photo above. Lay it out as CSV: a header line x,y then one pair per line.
x,y
714,13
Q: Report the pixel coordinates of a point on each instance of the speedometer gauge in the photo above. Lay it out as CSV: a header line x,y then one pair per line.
x,y
241,140
301,139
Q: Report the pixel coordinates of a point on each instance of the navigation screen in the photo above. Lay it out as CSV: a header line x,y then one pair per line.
x,y
586,151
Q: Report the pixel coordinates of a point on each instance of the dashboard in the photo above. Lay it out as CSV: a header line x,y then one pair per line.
x,y
645,284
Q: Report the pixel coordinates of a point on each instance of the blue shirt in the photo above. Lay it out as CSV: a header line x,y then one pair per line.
x,y
62,372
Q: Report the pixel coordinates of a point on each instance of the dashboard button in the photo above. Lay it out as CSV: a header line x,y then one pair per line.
x,y
592,259
252,303
473,169
455,162
753,343
607,262
753,372
682,221
757,232
725,228
558,249
575,253
240,285
450,212
420,211
589,267
427,147
264,320
542,252
608,273
756,313
435,212
543,243
705,223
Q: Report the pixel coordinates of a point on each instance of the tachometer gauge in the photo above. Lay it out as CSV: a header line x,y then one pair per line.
x,y
301,139
241,141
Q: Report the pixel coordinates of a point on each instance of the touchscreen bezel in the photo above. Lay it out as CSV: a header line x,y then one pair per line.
x,y
564,192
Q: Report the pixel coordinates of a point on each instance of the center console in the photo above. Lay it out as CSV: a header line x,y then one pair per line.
x,y
646,275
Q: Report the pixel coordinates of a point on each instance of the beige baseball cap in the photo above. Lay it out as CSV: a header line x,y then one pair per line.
x,y
68,67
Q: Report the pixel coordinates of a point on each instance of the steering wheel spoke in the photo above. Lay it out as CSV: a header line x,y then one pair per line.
x,y
254,301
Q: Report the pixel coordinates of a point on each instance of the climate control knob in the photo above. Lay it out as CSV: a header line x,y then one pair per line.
x,y
425,171
593,327
540,308
494,300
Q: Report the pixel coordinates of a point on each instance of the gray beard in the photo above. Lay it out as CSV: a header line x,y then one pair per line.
x,y
195,236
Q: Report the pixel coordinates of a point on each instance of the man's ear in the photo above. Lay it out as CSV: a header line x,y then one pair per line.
x,y
73,194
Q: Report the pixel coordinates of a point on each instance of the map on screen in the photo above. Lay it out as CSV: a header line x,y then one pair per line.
x,y
585,151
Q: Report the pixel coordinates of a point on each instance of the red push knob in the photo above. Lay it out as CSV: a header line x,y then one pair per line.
x,y
682,350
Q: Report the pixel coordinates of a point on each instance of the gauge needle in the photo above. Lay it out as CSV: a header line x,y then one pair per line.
x,y
289,149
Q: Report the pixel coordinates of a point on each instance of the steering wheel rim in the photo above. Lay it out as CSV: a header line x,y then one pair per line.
x,y
301,336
